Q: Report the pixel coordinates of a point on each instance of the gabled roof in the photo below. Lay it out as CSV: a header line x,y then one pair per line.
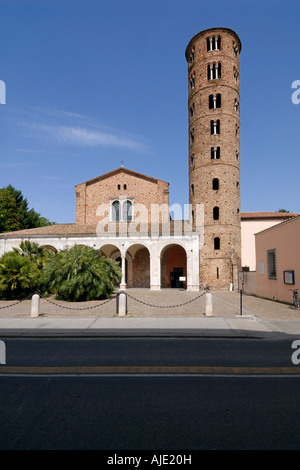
x,y
92,230
277,226
267,215
122,170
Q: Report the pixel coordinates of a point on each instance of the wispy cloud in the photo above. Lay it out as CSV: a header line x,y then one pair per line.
x,y
75,129
85,136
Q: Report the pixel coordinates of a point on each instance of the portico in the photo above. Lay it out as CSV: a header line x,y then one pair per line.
x,y
142,258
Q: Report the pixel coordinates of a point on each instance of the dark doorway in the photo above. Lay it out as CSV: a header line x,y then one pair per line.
x,y
174,278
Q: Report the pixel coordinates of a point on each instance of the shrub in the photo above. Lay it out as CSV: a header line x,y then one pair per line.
x,y
20,277
81,273
22,271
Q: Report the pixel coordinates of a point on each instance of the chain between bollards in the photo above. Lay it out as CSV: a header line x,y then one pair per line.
x,y
121,304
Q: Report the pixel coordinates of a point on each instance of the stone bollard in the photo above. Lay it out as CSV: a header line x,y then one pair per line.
x,y
2,352
208,305
35,306
122,304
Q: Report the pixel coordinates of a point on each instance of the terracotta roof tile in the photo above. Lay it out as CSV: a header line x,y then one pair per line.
x,y
121,170
267,215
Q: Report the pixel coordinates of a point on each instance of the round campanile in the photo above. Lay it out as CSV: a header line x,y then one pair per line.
x,y
214,153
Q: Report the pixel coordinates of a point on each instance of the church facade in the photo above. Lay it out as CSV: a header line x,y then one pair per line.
x,y
126,215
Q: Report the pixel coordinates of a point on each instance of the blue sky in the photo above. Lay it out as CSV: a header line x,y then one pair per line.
x,y
92,83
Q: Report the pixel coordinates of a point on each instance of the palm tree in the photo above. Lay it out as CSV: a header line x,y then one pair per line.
x,y
19,276
81,273
34,252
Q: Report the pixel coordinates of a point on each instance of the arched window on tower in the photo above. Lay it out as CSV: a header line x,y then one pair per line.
x,y
214,71
192,55
216,213
235,75
215,127
219,70
127,211
217,243
208,45
215,153
236,105
192,82
213,43
214,101
115,216
215,184
235,49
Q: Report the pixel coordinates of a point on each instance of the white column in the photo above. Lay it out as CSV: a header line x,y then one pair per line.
x,y
123,280
192,265
155,267
190,285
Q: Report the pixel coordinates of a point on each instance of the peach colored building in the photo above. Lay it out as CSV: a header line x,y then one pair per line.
x,y
278,260
252,223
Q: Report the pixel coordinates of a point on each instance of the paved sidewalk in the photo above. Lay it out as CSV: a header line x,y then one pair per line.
x,y
186,317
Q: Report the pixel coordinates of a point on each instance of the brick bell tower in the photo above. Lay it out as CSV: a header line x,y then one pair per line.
x,y
214,152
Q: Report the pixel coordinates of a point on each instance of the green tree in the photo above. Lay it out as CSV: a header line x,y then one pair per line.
x,y
283,210
81,273
28,218
9,215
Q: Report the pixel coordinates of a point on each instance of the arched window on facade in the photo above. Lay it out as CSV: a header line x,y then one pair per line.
x,y
115,211
127,211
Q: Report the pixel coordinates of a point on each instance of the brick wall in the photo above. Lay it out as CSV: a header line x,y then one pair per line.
x,y
118,185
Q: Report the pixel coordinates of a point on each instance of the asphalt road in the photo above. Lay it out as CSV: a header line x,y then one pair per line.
x,y
149,394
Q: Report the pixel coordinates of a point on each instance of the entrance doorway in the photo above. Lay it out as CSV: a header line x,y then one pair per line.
x,y
176,278
173,267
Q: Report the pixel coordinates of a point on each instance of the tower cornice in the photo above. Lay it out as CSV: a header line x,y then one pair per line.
x,y
212,30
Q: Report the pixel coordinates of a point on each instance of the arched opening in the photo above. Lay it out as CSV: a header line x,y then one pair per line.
x,y
173,267
112,252
139,266
50,248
